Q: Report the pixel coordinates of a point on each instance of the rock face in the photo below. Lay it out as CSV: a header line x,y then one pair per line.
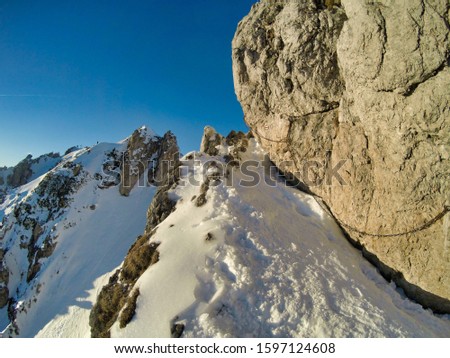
x,y
147,159
138,158
118,293
354,100
25,171
210,140
21,173
29,223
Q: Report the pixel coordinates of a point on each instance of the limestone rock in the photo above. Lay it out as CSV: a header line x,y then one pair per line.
x,y
210,140
148,160
142,146
164,170
354,100
167,175
21,173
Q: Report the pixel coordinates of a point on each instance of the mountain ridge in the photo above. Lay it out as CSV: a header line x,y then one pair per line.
x,y
79,198
209,252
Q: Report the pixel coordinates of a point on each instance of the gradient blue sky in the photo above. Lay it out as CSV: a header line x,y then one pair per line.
x,y
78,72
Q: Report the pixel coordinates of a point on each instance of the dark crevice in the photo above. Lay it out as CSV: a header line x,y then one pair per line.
x,y
440,15
411,89
383,50
330,106
437,304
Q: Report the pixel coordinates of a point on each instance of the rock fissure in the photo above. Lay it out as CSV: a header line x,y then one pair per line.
x,y
412,88
384,39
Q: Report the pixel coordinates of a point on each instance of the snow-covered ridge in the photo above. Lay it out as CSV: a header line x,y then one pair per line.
x,y
61,233
26,171
259,261
209,253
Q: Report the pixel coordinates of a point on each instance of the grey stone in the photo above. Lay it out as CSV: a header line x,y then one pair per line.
x,y
363,87
137,159
210,140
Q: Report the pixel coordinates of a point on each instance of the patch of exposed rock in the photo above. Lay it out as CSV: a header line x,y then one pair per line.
x,y
147,159
21,174
211,140
214,143
31,223
4,279
138,158
354,99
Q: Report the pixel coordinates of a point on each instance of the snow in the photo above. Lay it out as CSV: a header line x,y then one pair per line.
x,y
144,131
93,235
254,261
91,249
43,164
277,266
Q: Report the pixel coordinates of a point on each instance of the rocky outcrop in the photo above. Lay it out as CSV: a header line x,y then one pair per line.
x,y
166,175
30,222
141,150
23,171
117,299
354,100
4,279
210,141
147,160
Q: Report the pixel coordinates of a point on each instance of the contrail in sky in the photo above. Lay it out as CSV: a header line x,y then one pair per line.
x,y
29,95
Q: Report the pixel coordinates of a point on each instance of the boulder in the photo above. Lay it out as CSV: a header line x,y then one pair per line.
x,y
353,98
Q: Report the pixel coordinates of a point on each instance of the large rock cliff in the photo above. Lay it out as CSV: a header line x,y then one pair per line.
x,y
354,100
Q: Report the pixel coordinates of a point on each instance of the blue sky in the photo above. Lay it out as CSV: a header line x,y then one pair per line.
x,y
78,72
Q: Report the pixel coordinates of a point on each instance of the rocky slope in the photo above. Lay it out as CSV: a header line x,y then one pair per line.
x,y
25,171
63,232
353,98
